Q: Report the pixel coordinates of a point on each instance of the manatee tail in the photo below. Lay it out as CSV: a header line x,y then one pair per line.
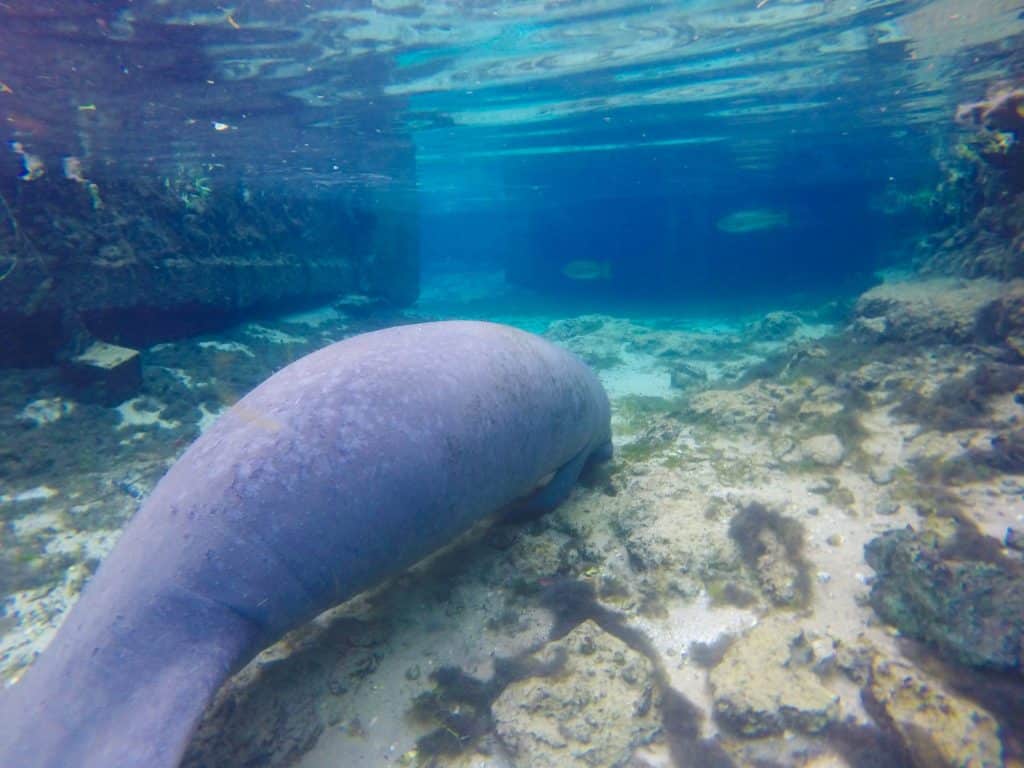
x,y
126,694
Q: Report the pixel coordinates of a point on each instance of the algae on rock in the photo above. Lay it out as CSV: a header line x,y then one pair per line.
x,y
766,683
971,610
938,728
597,710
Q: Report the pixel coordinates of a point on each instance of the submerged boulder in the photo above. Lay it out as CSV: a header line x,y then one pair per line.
x,y
775,326
938,310
938,728
601,706
970,610
767,683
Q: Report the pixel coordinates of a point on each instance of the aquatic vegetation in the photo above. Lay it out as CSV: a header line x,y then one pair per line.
x,y
963,401
771,545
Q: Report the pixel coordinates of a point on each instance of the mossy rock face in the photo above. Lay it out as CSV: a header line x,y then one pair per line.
x,y
971,610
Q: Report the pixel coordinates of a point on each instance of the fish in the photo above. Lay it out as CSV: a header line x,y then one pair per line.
x,y
585,269
753,220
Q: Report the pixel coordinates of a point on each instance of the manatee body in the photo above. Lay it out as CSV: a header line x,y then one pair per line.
x,y
337,472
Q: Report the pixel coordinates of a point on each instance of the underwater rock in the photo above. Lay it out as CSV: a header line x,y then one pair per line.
x,y
937,310
583,325
938,728
1003,319
105,373
1003,110
601,706
775,326
766,683
969,609
174,256
595,338
823,450
685,375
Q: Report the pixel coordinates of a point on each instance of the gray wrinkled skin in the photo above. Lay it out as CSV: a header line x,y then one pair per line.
x,y
337,472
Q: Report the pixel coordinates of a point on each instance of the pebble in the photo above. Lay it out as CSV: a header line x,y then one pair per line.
x,y
1014,539
887,507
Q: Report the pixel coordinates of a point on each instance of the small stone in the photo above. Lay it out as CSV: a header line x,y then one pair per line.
x,y
854,660
887,507
822,486
835,540
881,475
823,450
413,672
105,373
1014,540
684,375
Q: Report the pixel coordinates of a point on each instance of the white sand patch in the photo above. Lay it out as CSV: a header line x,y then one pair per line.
x,y
272,335
227,346
46,411
39,493
638,375
27,525
143,412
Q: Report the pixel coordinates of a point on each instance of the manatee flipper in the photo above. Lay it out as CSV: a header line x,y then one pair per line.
x,y
548,496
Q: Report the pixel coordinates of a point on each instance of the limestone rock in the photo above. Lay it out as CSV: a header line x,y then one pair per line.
x,y
596,711
823,450
595,338
766,683
971,610
939,729
685,375
105,373
775,326
942,310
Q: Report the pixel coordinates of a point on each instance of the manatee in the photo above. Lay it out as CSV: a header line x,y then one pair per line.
x,y
336,473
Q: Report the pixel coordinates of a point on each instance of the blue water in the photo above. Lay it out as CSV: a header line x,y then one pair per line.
x,y
535,134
